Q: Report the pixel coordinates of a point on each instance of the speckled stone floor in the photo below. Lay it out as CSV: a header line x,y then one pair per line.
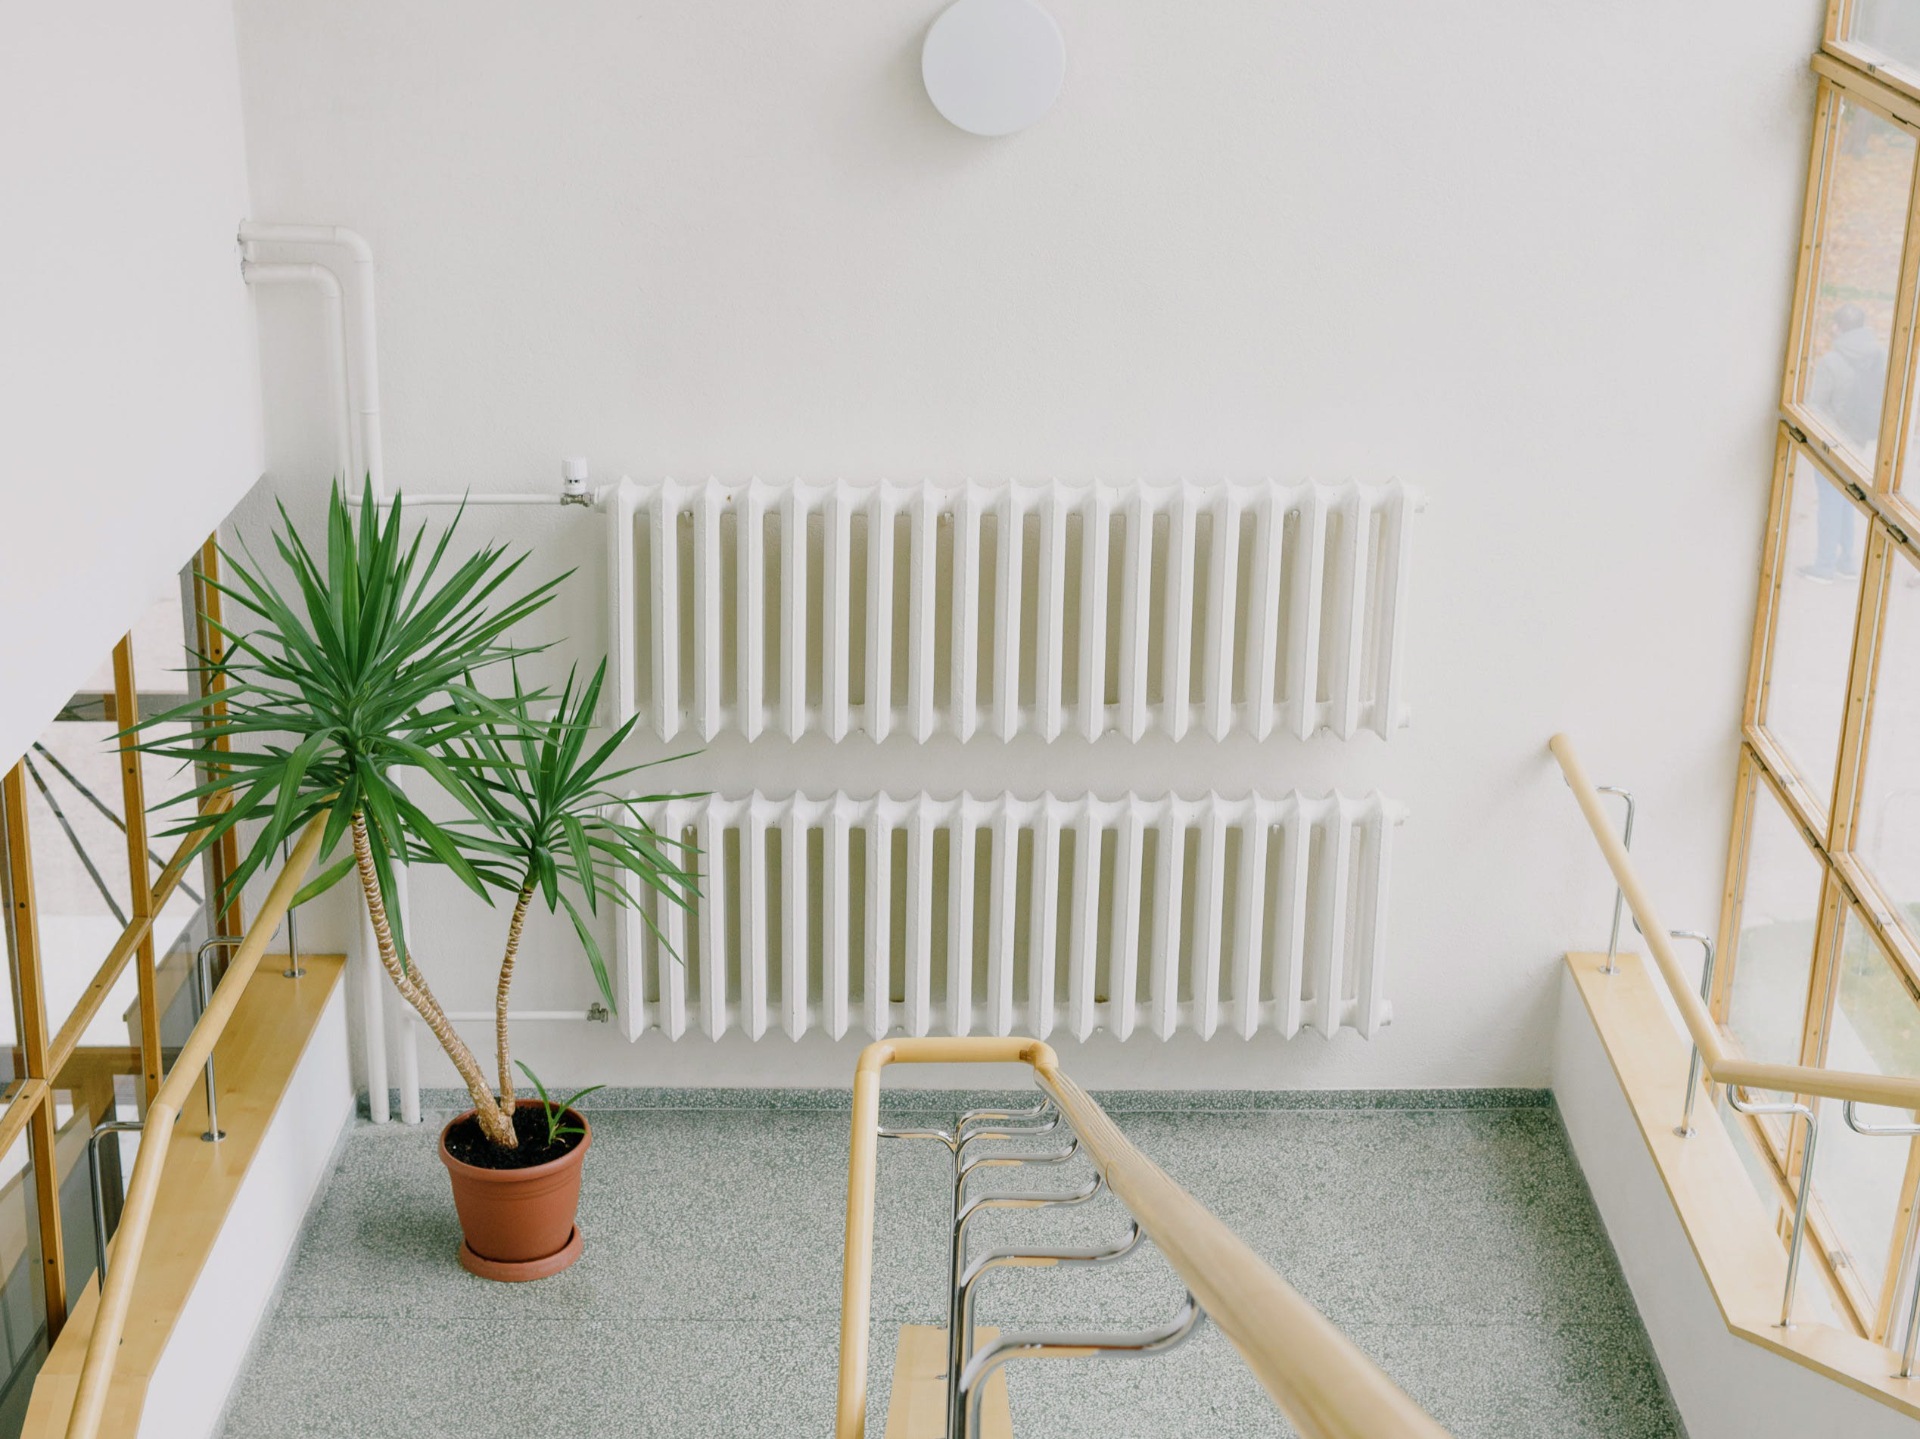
x,y
1452,1238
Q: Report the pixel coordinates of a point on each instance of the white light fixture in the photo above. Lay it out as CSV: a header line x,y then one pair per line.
x,y
994,66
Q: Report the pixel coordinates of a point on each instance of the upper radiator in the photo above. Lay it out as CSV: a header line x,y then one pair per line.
x,y
921,609
952,915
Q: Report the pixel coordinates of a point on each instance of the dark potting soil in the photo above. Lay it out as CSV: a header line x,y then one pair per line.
x,y
467,1143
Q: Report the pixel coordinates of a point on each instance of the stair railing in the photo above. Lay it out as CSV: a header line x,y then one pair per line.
x,y
1318,1378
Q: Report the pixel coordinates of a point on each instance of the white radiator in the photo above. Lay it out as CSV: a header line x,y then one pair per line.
x,y
1009,608
952,916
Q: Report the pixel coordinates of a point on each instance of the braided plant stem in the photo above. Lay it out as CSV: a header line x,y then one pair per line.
x,y
500,995
496,1119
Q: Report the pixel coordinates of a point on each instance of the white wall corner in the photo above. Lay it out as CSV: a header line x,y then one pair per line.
x,y
1723,1386
211,1340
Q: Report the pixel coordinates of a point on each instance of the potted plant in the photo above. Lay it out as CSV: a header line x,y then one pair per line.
x,y
366,669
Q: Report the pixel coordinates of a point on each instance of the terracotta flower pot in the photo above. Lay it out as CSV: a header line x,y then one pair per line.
x,y
518,1223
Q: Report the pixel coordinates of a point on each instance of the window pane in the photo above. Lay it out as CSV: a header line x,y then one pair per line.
x,y
23,1295
1861,231
1876,1028
1779,906
1806,693
1887,837
1891,28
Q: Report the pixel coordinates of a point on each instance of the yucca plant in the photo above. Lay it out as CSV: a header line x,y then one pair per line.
x,y
369,668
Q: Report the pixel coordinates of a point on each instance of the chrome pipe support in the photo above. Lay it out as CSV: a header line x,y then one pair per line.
x,y
1686,1130
1907,1255
1011,1258
293,969
96,1188
203,993
1794,1246
1060,1344
1619,895
963,1212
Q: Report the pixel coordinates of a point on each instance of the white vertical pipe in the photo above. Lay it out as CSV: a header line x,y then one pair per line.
x,y
708,644
750,544
835,646
629,973
919,935
1169,877
714,906
1389,706
1122,984
921,588
622,622
967,521
1000,937
1209,903
1350,593
1249,949
879,977
1050,627
1269,542
1094,619
373,1029
1330,963
960,855
1136,602
795,891
753,917
663,533
673,955
793,612
339,383
1043,945
1006,617
1291,917
1177,675
1083,944
1223,590
1303,643
879,617
1378,827
367,351
835,933
405,1033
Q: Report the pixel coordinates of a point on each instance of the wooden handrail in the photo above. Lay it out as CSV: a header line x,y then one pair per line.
x,y
1724,1067
110,1320
95,994
1315,1374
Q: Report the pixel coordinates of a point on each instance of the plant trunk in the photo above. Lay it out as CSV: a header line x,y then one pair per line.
x,y
496,1119
500,994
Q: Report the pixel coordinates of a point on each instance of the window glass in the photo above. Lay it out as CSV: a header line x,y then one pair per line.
x,y
1887,837
1863,224
1890,28
1812,641
1778,911
23,1295
1876,1029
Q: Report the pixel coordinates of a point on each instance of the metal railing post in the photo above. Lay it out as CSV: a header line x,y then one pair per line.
x,y
98,1190
1619,895
293,969
1794,1245
1686,1129
202,993
1907,1256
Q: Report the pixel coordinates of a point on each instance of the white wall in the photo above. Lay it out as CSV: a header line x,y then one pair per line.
x,y
1724,1387
127,357
203,1357
1533,257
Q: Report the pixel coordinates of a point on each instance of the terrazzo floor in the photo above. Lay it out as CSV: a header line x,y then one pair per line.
x,y
1452,1239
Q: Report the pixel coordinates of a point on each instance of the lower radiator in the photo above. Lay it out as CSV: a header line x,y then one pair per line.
x,y
963,915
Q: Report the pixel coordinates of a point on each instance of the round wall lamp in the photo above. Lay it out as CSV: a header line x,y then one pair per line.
x,y
994,66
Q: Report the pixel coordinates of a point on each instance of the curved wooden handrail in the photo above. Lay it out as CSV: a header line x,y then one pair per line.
x,y
110,1320
1724,1067
1315,1374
